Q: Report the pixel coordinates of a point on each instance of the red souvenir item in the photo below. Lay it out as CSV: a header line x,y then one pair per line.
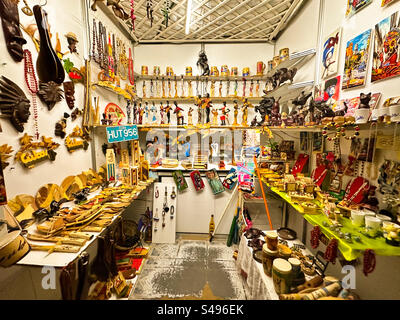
x,y
319,175
197,180
355,190
301,162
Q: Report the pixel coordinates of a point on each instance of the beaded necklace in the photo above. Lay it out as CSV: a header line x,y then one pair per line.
x,y
133,17
31,82
130,68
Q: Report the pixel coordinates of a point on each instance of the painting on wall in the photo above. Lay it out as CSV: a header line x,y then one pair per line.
x,y
386,59
387,2
356,60
332,90
330,54
353,6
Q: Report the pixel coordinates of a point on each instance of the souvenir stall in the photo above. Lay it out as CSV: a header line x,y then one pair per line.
x,y
270,124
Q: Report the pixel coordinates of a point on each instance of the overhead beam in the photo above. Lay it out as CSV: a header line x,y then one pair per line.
x,y
260,15
219,18
253,40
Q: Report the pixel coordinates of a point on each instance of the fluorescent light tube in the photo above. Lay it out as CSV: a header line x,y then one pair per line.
x,y
188,16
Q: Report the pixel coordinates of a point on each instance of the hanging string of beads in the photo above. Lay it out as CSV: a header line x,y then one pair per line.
x,y
340,131
315,235
331,251
131,75
165,11
31,82
369,262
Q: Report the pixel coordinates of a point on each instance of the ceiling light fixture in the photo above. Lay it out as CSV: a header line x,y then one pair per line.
x,y
188,15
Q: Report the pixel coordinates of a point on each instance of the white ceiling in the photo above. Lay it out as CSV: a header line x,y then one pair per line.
x,y
213,21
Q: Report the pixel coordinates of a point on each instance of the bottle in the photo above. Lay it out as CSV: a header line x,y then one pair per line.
x,y
211,227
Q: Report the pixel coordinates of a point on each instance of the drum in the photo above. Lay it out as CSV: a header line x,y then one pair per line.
x,y
189,71
13,247
170,72
234,72
281,274
246,72
284,54
156,71
214,72
224,71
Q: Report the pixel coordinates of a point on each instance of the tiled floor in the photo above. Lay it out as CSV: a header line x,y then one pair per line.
x,y
191,269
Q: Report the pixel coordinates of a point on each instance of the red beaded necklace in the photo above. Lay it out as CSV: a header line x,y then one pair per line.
x,y
31,82
315,236
130,68
331,251
369,262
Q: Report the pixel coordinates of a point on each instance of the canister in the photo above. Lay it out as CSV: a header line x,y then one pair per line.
x,y
277,61
298,277
272,240
296,265
270,65
224,71
246,72
145,70
156,70
284,54
281,274
260,68
234,72
170,72
189,71
268,258
214,72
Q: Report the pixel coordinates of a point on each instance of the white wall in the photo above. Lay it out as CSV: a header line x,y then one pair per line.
x,y
383,282
63,18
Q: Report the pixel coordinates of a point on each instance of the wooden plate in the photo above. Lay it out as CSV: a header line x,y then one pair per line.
x,y
287,234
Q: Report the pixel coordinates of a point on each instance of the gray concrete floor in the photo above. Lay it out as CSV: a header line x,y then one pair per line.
x,y
190,269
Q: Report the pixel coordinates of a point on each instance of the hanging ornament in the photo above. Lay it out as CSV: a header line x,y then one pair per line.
x,y
131,75
369,262
315,236
331,251
31,82
133,17
165,11
149,8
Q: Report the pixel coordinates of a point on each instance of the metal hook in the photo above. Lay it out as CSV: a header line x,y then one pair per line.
x,y
42,5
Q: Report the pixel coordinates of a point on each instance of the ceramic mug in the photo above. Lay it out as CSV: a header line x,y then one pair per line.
x,y
277,61
284,54
357,218
246,72
145,70
170,72
156,70
395,113
224,71
260,68
214,72
362,115
375,115
189,71
234,71
270,65
373,225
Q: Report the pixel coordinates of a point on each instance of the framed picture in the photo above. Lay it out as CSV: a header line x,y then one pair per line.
x,y
356,61
110,161
135,153
332,90
386,60
231,179
303,141
354,6
144,170
180,181
330,54
125,175
336,183
214,182
317,142
197,180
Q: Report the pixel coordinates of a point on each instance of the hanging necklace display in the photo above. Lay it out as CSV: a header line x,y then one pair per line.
x,y
190,89
251,88
151,89
258,89
95,42
173,194
131,75
182,87
176,89
244,87
149,9
32,84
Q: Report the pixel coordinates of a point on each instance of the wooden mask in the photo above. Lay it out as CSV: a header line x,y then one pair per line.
x,y
14,104
69,89
12,33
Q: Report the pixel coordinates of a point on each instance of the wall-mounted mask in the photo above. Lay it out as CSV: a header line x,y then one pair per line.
x,y
14,103
69,89
12,33
50,93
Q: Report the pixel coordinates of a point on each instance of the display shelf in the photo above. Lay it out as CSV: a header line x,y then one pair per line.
x,y
183,169
289,92
350,251
124,94
192,100
294,60
61,259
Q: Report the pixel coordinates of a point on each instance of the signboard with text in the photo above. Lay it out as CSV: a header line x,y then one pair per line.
x,y
122,133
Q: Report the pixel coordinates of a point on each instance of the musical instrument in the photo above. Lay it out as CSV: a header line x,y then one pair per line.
x,y
13,247
48,65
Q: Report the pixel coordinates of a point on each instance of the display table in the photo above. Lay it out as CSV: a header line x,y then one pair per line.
x,y
62,259
350,250
258,285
